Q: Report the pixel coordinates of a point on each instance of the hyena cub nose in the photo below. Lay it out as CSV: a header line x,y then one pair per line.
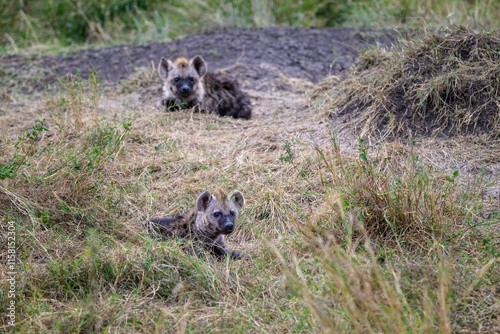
x,y
229,226
185,87
225,221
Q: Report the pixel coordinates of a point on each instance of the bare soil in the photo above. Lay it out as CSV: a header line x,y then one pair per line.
x,y
309,54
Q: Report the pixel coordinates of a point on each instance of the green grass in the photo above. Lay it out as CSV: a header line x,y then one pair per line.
x,y
51,24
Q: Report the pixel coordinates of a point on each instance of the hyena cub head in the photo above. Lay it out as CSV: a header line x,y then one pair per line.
x,y
218,212
182,78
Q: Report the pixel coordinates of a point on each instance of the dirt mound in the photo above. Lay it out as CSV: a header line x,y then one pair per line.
x,y
439,84
264,54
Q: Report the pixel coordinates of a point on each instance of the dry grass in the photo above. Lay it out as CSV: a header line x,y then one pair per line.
x,y
443,84
440,93
378,238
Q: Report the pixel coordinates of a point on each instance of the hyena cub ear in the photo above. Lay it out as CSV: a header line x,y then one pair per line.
x,y
203,201
199,65
238,199
164,67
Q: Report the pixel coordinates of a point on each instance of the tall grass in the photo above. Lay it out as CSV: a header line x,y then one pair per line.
x,y
388,220
64,22
427,13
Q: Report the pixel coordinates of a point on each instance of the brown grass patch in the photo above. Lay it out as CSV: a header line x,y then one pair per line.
x,y
445,83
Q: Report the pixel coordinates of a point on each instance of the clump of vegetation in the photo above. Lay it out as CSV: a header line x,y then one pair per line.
x,y
445,83
379,207
57,167
392,197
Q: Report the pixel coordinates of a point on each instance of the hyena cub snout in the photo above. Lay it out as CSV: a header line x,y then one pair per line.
x,y
184,83
183,86
221,212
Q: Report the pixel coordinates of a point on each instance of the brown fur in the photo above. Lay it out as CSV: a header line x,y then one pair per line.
x,y
206,224
181,62
224,97
211,93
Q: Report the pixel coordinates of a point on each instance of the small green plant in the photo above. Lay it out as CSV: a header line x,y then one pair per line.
x,y
287,155
24,143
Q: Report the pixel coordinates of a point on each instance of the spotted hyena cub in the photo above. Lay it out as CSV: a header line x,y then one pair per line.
x,y
206,224
187,84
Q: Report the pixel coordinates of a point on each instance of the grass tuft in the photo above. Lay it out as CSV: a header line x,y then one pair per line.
x,y
443,84
392,197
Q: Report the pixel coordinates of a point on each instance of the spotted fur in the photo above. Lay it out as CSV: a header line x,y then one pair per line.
x,y
206,224
188,85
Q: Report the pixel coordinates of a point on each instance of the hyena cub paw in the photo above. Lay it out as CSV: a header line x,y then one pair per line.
x,y
161,105
239,255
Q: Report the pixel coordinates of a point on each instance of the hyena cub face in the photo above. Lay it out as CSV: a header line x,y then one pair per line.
x,y
182,80
213,217
220,212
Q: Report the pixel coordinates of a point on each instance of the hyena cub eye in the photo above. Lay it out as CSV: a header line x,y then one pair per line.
x,y
176,79
217,214
232,213
191,79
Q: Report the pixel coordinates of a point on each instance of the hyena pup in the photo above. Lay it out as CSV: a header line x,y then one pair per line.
x,y
213,217
187,84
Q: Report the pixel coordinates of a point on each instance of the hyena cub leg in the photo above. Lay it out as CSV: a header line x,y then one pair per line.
x,y
220,250
166,105
195,248
173,105
235,254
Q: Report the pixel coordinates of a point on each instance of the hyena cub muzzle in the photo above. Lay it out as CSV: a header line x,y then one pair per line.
x,y
213,217
187,84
